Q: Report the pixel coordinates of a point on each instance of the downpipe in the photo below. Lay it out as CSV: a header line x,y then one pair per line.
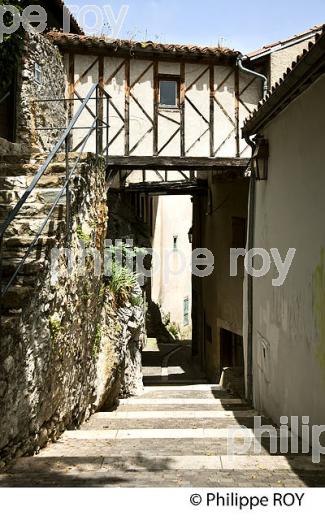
x,y
250,238
242,68
250,287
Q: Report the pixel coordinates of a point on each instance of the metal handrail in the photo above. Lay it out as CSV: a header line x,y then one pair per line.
x,y
5,97
64,140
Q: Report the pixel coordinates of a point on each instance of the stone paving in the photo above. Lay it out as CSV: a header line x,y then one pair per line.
x,y
173,435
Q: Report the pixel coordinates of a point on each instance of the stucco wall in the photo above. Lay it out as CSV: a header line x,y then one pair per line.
x,y
197,106
282,59
222,295
288,321
171,283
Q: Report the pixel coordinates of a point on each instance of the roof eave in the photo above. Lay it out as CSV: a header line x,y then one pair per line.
x,y
66,43
293,83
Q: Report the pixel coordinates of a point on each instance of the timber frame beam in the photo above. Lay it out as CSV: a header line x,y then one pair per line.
x,y
164,188
177,163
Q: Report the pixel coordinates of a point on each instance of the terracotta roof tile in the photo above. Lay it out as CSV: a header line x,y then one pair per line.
x,y
70,40
280,43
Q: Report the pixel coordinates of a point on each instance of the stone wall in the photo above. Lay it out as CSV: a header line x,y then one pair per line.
x,y
31,113
69,350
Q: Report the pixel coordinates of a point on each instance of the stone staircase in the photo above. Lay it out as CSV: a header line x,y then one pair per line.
x,y
181,432
16,174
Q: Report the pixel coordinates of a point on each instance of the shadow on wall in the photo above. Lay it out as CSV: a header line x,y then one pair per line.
x,y
155,326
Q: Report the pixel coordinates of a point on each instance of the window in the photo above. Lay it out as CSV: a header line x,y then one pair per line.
x,y
175,242
186,311
169,92
38,73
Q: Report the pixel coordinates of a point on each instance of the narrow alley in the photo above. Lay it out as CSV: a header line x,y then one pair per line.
x,y
173,435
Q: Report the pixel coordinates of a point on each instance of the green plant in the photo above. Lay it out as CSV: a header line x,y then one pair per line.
x,y
136,300
55,327
121,283
174,330
86,239
98,339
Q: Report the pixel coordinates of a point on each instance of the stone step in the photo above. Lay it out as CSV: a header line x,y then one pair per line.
x,y
17,159
183,407
57,474
30,267
131,402
32,226
43,196
16,297
183,425
144,463
36,211
150,447
9,323
174,414
20,183
9,168
24,241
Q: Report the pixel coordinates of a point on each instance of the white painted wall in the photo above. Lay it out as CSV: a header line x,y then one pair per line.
x,y
171,284
289,321
283,58
197,134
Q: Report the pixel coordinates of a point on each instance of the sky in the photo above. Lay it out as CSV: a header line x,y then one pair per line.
x,y
243,25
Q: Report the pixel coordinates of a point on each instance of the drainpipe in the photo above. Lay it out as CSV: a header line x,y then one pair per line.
x,y
250,239
241,67
250,308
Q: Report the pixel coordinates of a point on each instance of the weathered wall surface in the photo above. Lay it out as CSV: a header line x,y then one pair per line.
x,y
31,113
282,59
70,350
288,321
221,295
119,363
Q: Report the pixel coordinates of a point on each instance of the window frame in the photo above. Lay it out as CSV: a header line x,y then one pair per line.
x,y
170,77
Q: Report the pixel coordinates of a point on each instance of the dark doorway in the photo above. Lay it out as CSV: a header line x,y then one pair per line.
x,y
231,349
7,115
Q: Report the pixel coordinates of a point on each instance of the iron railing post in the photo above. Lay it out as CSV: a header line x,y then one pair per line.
x,y
1,284
98,151
107,126
67,191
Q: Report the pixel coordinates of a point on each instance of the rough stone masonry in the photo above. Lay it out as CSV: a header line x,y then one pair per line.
x,y
66,349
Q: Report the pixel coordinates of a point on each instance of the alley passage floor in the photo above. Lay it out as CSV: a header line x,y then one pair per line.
x,y
173,435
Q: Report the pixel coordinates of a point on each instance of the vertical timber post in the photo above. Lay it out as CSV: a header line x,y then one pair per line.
x,y
155,106
212,94
182,108
127,108
237,95
101,103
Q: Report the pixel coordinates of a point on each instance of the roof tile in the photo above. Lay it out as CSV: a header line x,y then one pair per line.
x,y
281,82
64,39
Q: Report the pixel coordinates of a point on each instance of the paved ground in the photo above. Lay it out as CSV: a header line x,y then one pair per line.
x,y
175,434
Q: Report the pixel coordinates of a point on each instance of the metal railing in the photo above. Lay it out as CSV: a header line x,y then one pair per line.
x,y
5,97
101,129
